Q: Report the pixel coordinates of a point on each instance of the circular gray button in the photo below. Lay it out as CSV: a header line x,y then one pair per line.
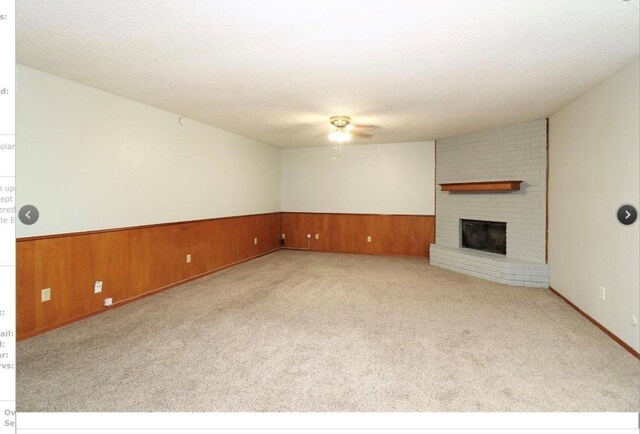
x,y
28,214
627,214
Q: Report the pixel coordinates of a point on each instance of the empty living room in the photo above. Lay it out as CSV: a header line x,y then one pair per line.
x,y
363,215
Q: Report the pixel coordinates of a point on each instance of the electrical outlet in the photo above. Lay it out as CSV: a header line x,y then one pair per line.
x,y
45,294
189,258
97,287
283,236
634,320
369,239
308,235
108,301
603,291
317,236
255,241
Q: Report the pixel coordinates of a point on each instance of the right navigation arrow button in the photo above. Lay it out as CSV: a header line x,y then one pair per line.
x,y
627,214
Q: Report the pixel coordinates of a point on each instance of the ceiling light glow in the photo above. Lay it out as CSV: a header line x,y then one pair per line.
x,y
339,136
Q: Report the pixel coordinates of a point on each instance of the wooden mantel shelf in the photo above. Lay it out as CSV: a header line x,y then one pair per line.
x,y
482,186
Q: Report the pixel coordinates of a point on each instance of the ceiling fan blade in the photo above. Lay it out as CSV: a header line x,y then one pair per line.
x,y
362,126
360,134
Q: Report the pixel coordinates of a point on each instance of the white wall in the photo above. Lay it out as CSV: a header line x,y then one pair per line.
x,y
517,152
91,160
392,178
593,169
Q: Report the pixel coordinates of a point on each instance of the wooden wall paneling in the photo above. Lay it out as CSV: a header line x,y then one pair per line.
x,y
216,241
429,232
347,233
25,271
407,235
49,274
180,244
342,234
394,236
248,247
275,242
137,255
240,236
81,265
302,227
321,227
286,228
131,262
314,225
164,257
199,238
255,232
365,226
295,227
268,232
237,239
310,226
259,228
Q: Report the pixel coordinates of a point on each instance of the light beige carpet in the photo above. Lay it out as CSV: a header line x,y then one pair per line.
x,y
304,331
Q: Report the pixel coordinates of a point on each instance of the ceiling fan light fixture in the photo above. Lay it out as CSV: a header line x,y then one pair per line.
x,y
339,121
342,127
339,136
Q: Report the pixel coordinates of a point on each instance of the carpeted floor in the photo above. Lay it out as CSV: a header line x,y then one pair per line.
x,y
304,331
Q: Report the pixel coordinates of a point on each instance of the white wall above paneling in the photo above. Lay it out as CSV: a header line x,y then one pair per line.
x,y
89,160
393,178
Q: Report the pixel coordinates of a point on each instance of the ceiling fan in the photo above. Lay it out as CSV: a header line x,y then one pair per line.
x,y
343,129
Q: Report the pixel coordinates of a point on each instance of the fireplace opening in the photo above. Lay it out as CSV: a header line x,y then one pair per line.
x,y
484,235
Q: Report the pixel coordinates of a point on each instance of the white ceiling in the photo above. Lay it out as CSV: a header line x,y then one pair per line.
x,y
276,70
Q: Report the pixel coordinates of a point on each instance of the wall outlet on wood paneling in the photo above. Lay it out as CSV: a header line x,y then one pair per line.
x,y
317,236
283,236
97,287
369,239
255,241
45,294
188,258
108,301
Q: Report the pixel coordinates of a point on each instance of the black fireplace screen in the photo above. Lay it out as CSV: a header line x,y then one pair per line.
x,y
484,235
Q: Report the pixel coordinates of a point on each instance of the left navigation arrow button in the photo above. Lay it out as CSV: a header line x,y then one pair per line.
x,y
28,214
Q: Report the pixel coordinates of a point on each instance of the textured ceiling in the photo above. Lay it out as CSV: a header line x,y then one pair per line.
x,y
276,70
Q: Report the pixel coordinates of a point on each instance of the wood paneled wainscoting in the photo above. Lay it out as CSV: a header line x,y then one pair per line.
x,y
400,235
130,262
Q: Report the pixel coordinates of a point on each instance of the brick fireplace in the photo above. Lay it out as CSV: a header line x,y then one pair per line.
x,y
517,152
